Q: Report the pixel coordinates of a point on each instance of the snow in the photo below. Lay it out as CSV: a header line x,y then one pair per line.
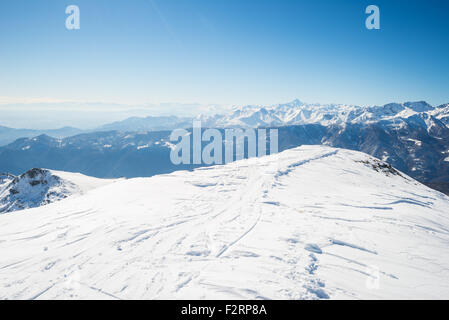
x,y
146,146
416,142
299,113
5,179
83,183
38,187
169,145
312,222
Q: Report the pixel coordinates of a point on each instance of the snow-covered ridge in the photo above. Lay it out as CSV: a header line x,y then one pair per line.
x,y
38,187
312,222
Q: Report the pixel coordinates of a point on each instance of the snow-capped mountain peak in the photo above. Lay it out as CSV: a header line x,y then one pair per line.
x,y
38,187
419,106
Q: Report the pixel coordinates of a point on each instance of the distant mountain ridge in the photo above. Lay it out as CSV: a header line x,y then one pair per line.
x,y
292,113
299,113
8,135
148,124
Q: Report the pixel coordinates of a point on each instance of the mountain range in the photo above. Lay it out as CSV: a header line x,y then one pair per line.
x,y
8,135
411,136
292,113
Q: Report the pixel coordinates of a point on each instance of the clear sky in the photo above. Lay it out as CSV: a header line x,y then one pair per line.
x,y
224,51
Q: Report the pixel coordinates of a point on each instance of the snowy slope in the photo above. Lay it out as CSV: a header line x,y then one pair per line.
x,y
311,222
38,187
442,113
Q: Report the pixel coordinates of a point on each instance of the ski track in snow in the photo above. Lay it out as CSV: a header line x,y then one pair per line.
x,y
309,223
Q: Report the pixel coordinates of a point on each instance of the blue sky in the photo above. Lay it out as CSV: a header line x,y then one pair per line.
x,y
224,51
